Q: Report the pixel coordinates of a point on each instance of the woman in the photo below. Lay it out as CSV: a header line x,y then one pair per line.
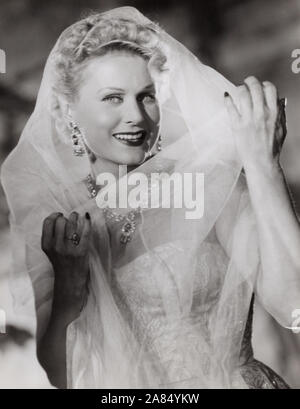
x,y
144,296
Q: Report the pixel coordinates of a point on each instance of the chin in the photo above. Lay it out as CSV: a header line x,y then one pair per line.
x,y
132,158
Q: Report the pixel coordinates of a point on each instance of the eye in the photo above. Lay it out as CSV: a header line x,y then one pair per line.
x,y
115,99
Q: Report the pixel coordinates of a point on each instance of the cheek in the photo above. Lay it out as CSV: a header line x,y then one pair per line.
x,y
153,113
99,121
152,117
106,120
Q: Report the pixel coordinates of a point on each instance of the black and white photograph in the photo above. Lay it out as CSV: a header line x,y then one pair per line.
x,y
150,196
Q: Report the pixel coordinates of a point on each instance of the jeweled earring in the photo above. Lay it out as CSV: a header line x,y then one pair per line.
x,y
78,147
158,146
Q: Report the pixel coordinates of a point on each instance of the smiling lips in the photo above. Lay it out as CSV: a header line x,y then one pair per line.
x,y
131,138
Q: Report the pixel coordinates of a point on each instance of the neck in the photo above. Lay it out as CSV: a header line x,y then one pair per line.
x,y
101,165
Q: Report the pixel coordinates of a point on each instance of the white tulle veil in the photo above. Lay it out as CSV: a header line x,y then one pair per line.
x,y
108,347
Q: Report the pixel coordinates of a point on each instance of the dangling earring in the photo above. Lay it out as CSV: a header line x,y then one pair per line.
x,y
158,146
78,147
149,154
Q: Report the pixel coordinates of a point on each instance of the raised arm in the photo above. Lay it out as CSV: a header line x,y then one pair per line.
x,y
259,135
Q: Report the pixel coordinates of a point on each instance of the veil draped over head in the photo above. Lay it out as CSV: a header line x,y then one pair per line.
x,y
169,308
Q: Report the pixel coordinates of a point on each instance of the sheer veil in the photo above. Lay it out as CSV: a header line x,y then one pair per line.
x,y
178,262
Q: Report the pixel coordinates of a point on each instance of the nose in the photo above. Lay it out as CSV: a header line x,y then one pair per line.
x,y
133,112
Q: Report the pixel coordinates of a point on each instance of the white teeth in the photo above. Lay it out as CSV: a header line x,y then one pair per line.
x,y
129,137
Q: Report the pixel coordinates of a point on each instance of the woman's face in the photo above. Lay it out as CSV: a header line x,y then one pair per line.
x,y
116,108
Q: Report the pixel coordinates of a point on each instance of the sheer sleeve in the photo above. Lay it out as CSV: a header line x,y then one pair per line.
x,y
269,294
31,279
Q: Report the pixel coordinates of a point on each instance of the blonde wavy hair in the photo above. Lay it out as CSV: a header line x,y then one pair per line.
x,y
94,36
97,35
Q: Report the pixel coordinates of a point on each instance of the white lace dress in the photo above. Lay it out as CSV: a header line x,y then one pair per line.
x,y
174,344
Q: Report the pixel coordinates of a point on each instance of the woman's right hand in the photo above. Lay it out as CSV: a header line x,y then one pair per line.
x,y
70,262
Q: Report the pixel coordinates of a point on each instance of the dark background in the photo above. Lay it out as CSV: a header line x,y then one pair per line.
x,y
238,38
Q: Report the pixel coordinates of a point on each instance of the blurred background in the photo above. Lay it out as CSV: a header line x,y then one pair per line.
x,y
236,37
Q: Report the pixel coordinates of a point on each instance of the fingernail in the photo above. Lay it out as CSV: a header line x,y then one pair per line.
x,y
226,94
87,216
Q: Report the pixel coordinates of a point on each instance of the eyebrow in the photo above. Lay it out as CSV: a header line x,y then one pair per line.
x,y
149,86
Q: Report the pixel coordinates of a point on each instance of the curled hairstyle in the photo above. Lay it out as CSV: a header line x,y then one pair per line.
x,y
91,37
98,35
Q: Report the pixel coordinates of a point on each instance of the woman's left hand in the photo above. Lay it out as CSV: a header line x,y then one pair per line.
x,y
259,124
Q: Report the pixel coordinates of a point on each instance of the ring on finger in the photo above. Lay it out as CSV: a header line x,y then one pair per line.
x,y
75,239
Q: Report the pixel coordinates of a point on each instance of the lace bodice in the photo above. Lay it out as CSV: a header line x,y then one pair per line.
x,y
175,339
